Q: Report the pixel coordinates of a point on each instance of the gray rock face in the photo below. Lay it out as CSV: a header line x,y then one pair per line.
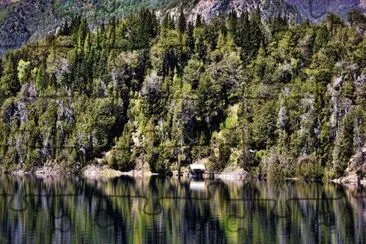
x,y
24,19
298,10
357,164
211,8
315,10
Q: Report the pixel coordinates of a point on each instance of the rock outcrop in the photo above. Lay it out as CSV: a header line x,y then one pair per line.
x,y
270,8
356,170
315,10
29,20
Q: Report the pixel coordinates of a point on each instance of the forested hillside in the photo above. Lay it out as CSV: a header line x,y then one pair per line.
x,y
23,21
270,98
26,21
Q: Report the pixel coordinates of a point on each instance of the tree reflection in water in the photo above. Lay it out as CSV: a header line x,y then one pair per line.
x,y
168,210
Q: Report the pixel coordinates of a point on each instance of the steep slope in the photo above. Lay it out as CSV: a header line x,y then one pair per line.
x,y
29,20
297,10
273,99
315,10
20,20
270,8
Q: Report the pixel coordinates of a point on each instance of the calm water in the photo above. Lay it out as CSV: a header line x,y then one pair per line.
x,y
128,210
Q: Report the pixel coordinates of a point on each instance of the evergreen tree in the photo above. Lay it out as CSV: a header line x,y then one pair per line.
x,y
190,38
199,21
75,23
201,48
145,27
168,22
255,34
24,70
165,22
40,77
9,81
112,33
182,23
170,62
233,23
242,38
83,32
321,39
212,32
278,24
303,83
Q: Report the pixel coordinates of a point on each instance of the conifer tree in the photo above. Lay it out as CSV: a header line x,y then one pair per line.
x,y
165,22
182,23
24,70
199,21
171,23
112,33
82,32
242,38
201,48
9,85
233,23
168,22
40,77
255,34
190,38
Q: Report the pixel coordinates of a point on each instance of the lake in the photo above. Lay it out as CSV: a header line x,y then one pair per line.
x,y
164,210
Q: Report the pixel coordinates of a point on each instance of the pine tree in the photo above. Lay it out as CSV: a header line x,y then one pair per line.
x,y
199,21
9,83
182,23
75,23
82,32
40,77
233,23
66,29
255,34
168,22
144,28
201,49
212,33
112,33
242,38
171,23
24,69
169,62
152,24
147,27
321,39
190,38
278,24
165,22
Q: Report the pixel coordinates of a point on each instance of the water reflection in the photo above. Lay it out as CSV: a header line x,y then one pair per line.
x,y
197,185
167,210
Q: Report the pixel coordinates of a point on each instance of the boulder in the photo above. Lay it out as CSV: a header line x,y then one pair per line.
x,y
356,170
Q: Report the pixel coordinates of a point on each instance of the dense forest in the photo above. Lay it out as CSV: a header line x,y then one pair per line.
x,y
272,98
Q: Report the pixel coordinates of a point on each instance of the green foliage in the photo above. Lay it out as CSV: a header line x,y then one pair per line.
x,y
121,155
271,98
23,71
9,83
308,168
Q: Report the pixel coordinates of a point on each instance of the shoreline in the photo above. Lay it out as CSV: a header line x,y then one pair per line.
x,y
104,173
